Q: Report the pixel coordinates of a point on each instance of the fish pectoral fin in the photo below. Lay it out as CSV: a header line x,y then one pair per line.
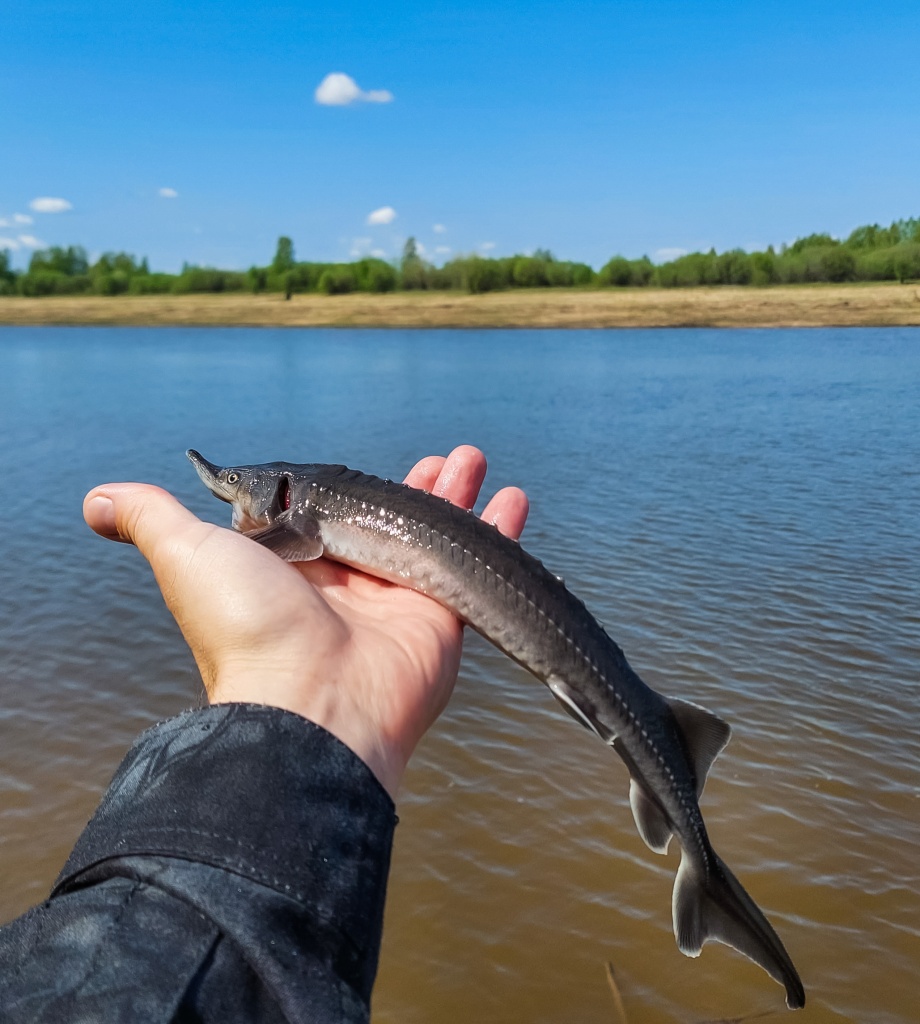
x,y
705,735
293,536
578,708
651,821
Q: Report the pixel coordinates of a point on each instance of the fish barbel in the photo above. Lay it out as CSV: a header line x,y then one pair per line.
x,y
426,543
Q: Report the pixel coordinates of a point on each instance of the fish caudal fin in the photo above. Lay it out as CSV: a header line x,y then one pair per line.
x,y
717,907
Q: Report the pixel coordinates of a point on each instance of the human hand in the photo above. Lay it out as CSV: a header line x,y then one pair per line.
x,y
371,662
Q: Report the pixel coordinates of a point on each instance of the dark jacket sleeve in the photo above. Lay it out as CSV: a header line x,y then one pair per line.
x,y
235,871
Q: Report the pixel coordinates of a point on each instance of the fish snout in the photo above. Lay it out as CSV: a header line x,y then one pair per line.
x,y
211,476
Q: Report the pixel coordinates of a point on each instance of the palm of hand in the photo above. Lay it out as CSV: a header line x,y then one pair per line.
x,y
372,662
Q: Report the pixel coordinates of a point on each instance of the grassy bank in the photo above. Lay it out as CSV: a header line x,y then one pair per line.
x,y
848,305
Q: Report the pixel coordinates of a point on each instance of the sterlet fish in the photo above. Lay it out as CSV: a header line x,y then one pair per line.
x,y
425,543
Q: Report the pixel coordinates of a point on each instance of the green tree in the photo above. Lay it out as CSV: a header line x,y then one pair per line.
x,y
483,275
838,264
6,270
907,261
529,272
256,276
71,262
411,268
734,267
284,255
616,273
374,275
818,241
7,274
337,280
763,267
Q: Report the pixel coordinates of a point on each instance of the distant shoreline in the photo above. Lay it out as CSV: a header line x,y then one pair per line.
x,y
849,305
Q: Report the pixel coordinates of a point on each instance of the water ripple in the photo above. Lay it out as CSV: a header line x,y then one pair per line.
x,y
739,508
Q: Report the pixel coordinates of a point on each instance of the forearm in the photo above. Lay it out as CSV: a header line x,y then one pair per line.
x,y
237,846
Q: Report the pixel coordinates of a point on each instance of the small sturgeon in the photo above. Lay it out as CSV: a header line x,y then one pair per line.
x,y
490,582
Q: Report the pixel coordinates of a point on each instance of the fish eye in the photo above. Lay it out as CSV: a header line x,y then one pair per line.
x,y
232,478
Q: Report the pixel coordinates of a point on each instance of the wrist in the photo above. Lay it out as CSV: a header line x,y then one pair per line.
x,y
324,706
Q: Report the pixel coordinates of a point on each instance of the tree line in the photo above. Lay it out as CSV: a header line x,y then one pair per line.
x,y
870,253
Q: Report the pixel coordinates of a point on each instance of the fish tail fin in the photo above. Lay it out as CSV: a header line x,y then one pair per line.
x,y
714,905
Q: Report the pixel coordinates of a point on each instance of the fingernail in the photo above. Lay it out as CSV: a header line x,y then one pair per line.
x,y
102,511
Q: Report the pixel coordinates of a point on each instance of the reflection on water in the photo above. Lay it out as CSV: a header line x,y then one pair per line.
x,y
739,508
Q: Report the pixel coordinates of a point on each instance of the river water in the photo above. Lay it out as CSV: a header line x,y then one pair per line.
x,y
740,509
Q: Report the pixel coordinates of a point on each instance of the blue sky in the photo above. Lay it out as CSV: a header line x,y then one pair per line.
x,y
590,128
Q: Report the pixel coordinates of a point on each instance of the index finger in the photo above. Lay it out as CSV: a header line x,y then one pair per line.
x,y
459,478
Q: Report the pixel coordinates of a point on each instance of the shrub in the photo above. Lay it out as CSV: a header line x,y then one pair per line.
x,y
114,283
734,267
256,278
483,275
208,279
151,284
48,282
616,273
763,267
337,280
374,275
528,272
837,264
907,261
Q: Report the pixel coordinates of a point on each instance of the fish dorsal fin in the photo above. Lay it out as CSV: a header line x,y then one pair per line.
x,y
293,536
705,736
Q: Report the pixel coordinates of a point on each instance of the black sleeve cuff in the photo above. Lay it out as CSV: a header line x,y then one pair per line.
x,y
260,794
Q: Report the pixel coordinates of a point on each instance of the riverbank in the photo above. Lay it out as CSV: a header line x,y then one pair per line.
x,y
857,305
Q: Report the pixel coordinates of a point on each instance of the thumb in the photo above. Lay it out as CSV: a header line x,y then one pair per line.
x,y
138,514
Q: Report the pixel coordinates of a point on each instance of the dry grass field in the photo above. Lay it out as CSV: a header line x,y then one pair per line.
x,y
798,306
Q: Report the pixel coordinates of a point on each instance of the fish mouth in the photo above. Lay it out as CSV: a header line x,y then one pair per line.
x,y
210,476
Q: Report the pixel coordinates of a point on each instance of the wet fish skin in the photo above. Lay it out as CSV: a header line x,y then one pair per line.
x,y
410,537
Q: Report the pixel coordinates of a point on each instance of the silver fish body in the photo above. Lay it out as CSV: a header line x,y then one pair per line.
x,y
490,582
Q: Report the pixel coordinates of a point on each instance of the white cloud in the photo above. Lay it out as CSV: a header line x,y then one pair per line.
x,y
168,193
8,243
359,247
438,229
21,218
420,249
30,242
385,215
442,250
341,90
379,253
48,204
670,253
4,223
487,246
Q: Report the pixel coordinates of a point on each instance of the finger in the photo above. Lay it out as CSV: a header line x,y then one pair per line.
x,y
138,514
461,476
424,474
508,511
